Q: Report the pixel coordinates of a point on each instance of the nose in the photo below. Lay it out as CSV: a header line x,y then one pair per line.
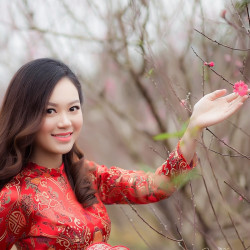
x,y
64,121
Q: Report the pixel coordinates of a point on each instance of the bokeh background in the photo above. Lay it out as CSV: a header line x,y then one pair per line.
x,y
141,64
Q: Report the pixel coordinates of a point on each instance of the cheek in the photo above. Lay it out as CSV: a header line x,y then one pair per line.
x,y
43,134
78,122
47,126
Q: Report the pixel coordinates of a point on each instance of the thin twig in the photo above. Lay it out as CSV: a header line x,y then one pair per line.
x,y
227,155
218,187
133,225
65,35
194,207
248,15
225,46
234,189
137,213
245,156
222,77
240,19
235,126
158,217
215,215
181,244
179,99
203,80
138,83
135,210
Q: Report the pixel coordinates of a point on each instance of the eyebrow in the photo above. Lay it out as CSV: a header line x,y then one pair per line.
x,y
70,103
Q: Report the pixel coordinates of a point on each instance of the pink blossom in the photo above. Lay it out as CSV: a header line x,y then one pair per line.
x,y
240,198
241,88
223,14
210,64
224,140
238,63
110,87
228,58
183,102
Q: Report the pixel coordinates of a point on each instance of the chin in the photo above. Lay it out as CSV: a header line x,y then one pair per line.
x,y
65,151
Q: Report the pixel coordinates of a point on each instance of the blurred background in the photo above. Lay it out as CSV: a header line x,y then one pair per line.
x,y
141,64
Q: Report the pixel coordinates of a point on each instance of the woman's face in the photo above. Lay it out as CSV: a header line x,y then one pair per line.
x,y
61,124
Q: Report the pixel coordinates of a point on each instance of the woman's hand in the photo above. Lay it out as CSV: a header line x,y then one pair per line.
x,y
214,108
209,110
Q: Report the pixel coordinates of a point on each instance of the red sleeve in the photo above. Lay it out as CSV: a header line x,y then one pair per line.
x,y
13,221
116,185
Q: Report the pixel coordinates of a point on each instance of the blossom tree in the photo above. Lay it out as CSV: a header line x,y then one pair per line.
x,y
143,65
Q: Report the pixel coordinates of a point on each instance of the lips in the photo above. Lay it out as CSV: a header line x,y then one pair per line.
x,y
63,137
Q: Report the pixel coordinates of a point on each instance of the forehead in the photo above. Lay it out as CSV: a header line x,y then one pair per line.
x,y
64,91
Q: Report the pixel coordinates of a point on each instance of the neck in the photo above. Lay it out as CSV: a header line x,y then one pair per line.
x,y
48,161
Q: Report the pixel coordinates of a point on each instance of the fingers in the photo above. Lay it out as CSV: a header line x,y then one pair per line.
x,y
243,98
216,94
221,92
237,102
231,97
235,106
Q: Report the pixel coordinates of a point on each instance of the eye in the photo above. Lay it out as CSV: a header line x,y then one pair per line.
x,y
50,111
74,108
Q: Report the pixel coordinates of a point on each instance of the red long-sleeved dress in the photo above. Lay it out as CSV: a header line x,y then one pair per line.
x,y
39,210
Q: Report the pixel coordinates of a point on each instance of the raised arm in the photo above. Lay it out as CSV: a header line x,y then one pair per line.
x,y
116,185
209,110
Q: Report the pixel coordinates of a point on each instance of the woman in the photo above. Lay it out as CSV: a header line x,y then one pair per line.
x,y
51,198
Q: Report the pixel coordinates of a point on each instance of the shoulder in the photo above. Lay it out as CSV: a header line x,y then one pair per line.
x,y
9,199
14,212
17,182
14,192
93,167
95,170
11,192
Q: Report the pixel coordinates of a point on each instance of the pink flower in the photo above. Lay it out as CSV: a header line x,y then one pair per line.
x,y
240,88
210,64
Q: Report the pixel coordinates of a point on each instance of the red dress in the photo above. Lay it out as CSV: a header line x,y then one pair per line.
x,y
39,210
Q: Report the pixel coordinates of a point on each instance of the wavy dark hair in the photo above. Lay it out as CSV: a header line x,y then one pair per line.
x,y
20,118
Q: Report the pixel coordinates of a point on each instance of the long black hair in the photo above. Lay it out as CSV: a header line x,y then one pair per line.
x,y
20,118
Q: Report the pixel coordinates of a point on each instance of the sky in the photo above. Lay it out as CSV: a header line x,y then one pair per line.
x,y
17,45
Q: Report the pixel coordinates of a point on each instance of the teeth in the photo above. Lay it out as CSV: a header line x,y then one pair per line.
x,y
63,135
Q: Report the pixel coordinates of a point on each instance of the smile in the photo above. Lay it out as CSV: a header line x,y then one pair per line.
x,y
63,136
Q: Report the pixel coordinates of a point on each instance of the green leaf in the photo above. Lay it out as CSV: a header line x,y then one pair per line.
x,y
181,179
150,72
165,136
240,5
146,168
140,43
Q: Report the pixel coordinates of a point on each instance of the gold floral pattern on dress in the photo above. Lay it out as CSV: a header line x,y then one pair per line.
x,y
39,210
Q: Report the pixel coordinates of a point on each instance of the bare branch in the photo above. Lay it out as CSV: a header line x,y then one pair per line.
x,y
225,46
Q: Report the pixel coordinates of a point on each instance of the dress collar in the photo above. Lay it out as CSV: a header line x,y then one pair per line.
x,y
51,171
